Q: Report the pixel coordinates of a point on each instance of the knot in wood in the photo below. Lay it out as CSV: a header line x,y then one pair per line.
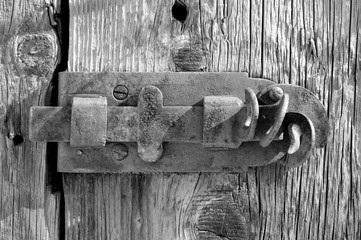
x,y
189,56
219,219
35,53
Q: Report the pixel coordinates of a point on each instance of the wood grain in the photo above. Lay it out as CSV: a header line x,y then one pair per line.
x,y
315,44
28,54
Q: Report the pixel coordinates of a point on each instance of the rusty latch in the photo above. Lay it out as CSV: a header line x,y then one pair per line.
x,y
178,122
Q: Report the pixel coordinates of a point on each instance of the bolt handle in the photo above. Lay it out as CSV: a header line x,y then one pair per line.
x,y
252,114
277,120
151,128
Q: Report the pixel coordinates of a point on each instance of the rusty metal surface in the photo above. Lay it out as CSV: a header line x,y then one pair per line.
x,y
49,124
153,124
183,124
181,127
179,89
185,157
223,118
88,127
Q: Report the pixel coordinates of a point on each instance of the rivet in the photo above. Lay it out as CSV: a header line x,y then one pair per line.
x,y
120,92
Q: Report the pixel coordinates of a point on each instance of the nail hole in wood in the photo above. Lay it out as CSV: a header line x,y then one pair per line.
x,y
180,11
18,139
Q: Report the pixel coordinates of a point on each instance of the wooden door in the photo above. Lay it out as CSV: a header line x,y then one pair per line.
x,y
30,200
315,44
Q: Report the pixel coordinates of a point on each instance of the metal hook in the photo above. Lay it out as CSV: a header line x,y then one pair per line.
x,y
277,121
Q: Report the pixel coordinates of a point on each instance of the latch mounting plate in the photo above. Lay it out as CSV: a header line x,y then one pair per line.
x,y
180,132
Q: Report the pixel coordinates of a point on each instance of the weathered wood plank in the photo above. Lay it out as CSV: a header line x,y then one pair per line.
x,y
28,56
311,43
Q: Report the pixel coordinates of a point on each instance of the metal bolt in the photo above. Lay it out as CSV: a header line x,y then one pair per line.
x,y
120,92
275,94
119,152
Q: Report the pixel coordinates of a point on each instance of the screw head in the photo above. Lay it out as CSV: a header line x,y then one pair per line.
x,y
120,92
119,152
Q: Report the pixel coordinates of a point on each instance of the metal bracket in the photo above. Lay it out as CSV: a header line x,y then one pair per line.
x,y
88,122
178,122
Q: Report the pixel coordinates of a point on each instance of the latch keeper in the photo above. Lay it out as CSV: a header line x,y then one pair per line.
x,y
88,121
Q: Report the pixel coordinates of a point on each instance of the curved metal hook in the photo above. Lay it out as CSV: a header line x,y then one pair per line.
x,y
277,121
252,113
296,157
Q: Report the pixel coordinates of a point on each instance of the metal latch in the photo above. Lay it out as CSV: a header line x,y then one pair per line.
x,y
178,122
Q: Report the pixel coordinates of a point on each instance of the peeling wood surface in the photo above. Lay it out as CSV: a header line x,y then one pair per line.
x,y
315,44
28,55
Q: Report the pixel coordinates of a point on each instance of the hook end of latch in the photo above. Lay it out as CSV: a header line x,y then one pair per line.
x,y
304,102
304,121
301,138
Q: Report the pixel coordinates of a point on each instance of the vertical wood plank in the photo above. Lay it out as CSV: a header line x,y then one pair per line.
x,y
29,209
